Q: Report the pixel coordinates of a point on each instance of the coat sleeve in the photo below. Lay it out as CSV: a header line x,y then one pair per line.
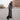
x,y
10,6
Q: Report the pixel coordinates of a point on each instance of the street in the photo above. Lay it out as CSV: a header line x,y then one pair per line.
x,y
15,13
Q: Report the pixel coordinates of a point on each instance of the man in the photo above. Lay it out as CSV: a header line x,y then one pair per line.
x,y
10,11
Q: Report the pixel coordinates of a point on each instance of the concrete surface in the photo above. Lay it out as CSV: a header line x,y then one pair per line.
x,y
15,13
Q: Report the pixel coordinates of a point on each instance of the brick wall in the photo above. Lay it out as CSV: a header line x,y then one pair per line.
x,y
16,3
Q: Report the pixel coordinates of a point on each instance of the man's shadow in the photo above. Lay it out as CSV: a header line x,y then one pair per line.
x,y
6,18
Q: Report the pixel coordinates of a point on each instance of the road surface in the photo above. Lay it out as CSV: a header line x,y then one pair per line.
x,y
15,14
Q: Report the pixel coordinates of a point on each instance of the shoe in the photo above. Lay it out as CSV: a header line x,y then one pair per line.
x,y
7,17
10,17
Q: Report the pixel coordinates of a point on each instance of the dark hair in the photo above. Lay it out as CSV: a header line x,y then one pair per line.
x,y
11,2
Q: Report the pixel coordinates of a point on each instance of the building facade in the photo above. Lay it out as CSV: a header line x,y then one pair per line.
x,y
16,3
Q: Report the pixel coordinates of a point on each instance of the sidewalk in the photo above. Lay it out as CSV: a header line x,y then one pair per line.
x,y
15,13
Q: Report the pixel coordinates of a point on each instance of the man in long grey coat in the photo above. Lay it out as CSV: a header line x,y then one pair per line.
x,y
10,11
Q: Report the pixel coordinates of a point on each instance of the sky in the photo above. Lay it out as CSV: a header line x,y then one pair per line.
x,y
5,2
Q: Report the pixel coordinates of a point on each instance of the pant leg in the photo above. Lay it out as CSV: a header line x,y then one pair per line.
x,y
10,12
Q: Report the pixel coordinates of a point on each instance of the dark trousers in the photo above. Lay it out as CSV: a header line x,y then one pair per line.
x,y
10,12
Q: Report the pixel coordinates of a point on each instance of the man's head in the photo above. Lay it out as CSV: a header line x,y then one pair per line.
x,y
11,2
